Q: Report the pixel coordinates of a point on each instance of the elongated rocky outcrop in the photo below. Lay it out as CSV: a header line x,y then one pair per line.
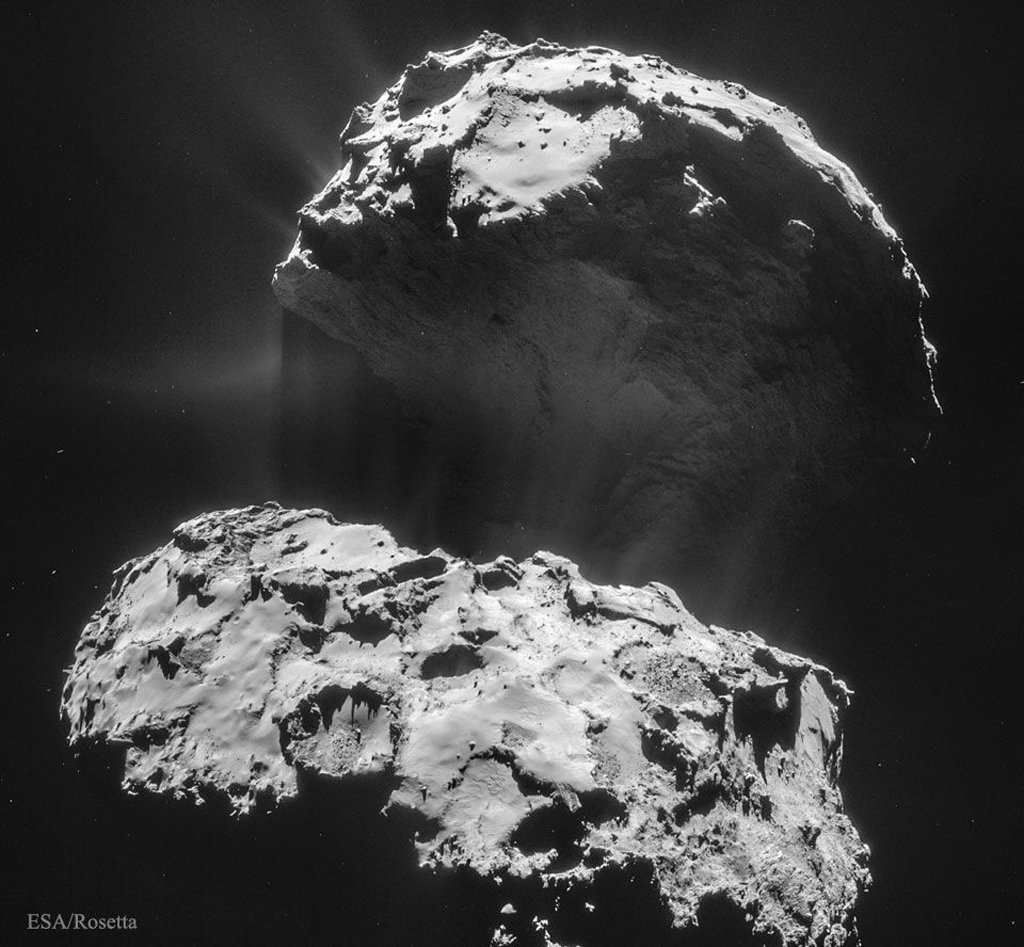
x,y
667,328
527,724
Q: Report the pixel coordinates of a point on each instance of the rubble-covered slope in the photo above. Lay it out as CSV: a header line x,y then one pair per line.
x,y
529,724
651,293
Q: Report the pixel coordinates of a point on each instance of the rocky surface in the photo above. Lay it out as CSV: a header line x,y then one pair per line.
x,y
526,723
665,325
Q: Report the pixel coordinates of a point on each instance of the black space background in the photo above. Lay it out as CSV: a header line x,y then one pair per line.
x,y
155,156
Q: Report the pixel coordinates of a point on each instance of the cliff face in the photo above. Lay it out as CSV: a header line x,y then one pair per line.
x,y
672,328
528,725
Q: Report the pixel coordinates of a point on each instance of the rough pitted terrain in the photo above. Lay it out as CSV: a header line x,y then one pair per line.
x,y
668,327
526,723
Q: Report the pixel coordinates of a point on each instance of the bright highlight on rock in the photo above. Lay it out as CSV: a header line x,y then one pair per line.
x,y
532,724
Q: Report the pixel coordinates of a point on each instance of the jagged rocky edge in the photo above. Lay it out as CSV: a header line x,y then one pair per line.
x,y
373,184
263,641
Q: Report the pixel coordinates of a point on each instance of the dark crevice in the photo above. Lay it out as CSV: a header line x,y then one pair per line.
x,y
717,686
312,636
176,644
658,750
428,567
373,584
168,666
558,827
452,662
430,182
477,636
701,802
330,700
588,98
308,599
257,589
665,718
193,583
321,708
769,715
580,608
362,694
500,576
528,784
189,543
598,806
553,826
366,628
427,85
661,749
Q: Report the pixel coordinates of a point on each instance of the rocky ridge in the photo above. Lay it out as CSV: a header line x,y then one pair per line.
x,y
526,722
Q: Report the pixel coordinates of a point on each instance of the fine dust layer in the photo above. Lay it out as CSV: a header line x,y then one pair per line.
x,y
651,293
530,726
